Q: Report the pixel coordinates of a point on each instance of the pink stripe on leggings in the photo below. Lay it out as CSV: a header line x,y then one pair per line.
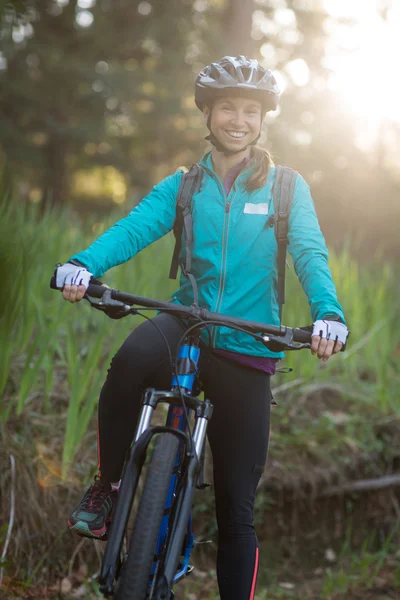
x,y
98,448
253,585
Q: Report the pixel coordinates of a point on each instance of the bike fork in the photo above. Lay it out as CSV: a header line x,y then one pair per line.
x,y
178,527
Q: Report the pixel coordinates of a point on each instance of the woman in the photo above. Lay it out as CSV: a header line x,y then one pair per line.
x,y
235,266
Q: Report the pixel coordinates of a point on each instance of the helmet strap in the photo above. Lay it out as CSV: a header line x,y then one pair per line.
x,y
220,147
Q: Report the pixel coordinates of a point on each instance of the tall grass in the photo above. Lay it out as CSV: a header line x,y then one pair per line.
x,y
370,298
43,336
49,345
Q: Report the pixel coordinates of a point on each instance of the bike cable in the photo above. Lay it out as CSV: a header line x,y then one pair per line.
x,y
174,370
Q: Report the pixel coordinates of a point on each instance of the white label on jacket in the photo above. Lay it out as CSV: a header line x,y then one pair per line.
x,y
256,209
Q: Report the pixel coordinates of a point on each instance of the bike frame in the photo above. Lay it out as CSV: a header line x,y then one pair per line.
x,y
274,337
177,522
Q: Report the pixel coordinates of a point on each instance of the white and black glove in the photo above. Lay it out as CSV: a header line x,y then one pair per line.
x,y
331,330
69,274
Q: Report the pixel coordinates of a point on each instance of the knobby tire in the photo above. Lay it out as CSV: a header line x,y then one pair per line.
x,y
135,572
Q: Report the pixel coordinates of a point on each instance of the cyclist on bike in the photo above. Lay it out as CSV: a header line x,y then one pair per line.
x,y
235,266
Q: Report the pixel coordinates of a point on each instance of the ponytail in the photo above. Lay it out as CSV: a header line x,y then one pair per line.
x,y
261,160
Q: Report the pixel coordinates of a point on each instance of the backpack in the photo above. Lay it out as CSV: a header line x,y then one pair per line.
x,y
282,193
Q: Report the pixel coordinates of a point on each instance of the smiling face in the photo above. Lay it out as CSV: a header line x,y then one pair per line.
x,y
235,121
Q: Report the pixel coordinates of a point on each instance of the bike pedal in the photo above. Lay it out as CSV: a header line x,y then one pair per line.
x,y
189,570
203,486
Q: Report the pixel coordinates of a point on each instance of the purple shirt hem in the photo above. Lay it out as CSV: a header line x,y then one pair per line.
x,y
261,363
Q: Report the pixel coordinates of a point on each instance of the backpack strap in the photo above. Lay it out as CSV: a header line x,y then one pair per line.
x,y
282,193
190,185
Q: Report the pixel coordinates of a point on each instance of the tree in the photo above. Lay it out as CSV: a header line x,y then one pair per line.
x,y
239,18
93,87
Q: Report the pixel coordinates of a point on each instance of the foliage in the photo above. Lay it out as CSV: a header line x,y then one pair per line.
x,y
362,575
78,96
46,337
358,571
340,413
110,104
111,86
36,329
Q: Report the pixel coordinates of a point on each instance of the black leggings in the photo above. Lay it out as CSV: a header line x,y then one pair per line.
x,y
238,434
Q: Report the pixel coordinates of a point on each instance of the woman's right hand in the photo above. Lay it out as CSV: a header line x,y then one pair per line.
x,y
73,281
73,293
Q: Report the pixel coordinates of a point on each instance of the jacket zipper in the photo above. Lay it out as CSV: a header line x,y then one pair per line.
x,y
221,289
225,236
224,231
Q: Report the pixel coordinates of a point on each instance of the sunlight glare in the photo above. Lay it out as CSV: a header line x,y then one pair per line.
x,y
299,71
349,10
281,80
84,18
361,59
85,4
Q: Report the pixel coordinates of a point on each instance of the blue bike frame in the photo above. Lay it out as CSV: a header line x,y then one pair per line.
x,y
187,365
177,525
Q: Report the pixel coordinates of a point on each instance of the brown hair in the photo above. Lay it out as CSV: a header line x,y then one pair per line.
x,y
262,161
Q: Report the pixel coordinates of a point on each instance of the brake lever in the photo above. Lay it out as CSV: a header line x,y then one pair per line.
x,y
108,304
277,343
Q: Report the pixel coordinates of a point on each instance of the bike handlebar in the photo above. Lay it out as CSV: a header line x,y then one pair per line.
x,y
281,334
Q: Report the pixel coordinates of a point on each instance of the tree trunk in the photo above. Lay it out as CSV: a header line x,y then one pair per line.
x,y
238,40
55,183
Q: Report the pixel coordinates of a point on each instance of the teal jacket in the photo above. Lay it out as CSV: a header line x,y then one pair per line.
x,y
234,252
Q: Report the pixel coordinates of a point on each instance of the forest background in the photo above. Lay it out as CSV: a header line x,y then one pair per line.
x,y
96,106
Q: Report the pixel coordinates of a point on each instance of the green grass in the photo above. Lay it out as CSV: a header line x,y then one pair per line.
x,y
353,575
51,345
361,571
55,357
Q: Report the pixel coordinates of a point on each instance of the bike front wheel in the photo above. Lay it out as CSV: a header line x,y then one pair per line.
x,y
133,583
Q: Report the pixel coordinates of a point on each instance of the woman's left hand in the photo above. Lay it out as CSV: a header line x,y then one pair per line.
x,y
328,337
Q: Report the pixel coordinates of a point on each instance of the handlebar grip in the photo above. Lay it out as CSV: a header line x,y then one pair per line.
x,y
302,336
94,290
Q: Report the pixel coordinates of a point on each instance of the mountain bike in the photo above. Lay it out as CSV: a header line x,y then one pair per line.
x,y
159,548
